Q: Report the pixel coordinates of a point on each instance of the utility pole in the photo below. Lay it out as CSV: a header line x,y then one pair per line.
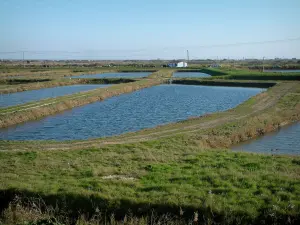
x,y
263,64
188,55
23,60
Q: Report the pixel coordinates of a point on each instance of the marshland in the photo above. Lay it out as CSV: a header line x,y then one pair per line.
x,y
150,149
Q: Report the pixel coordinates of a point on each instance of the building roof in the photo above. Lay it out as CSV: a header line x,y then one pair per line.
x,y
177,61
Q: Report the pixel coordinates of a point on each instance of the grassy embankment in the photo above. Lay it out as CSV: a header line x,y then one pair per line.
x,y
52,77
17,85
235,78
63,71
168,168
17,79
53,72
38,109
223,82
238,74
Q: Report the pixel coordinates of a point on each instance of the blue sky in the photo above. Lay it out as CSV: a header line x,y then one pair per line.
x,y
135,29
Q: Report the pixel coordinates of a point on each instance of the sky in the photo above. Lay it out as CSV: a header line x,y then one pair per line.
x,y
149,29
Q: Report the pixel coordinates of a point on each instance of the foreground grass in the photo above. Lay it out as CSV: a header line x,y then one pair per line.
x,y
31,214
164,177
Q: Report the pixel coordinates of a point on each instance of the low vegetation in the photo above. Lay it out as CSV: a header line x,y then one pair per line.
x,y
56,72
21,81
264,77
242,74
32,84
220,186
15,85
228,83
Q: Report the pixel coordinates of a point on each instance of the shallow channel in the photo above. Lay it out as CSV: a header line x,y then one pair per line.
x,y
284,141
35,95
190,74
131,112
115,75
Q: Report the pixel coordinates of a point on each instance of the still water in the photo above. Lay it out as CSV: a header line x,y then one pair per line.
x,y
284,141
190,74
35,95
116,75
131,112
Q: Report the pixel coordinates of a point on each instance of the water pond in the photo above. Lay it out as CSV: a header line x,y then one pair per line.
x,y
190,74
131,112
115,75
35,95
284,141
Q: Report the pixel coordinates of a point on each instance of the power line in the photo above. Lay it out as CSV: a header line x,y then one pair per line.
x,y
144,50
249,43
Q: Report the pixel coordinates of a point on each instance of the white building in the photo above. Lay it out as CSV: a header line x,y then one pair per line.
x,y
215,66
178,64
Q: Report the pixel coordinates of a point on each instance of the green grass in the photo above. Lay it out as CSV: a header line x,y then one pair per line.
x,y
242,74
225,180
255,76
166,176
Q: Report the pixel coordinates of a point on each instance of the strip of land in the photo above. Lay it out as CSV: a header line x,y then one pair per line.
x,y
24,79
17,85
62,72
223,82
